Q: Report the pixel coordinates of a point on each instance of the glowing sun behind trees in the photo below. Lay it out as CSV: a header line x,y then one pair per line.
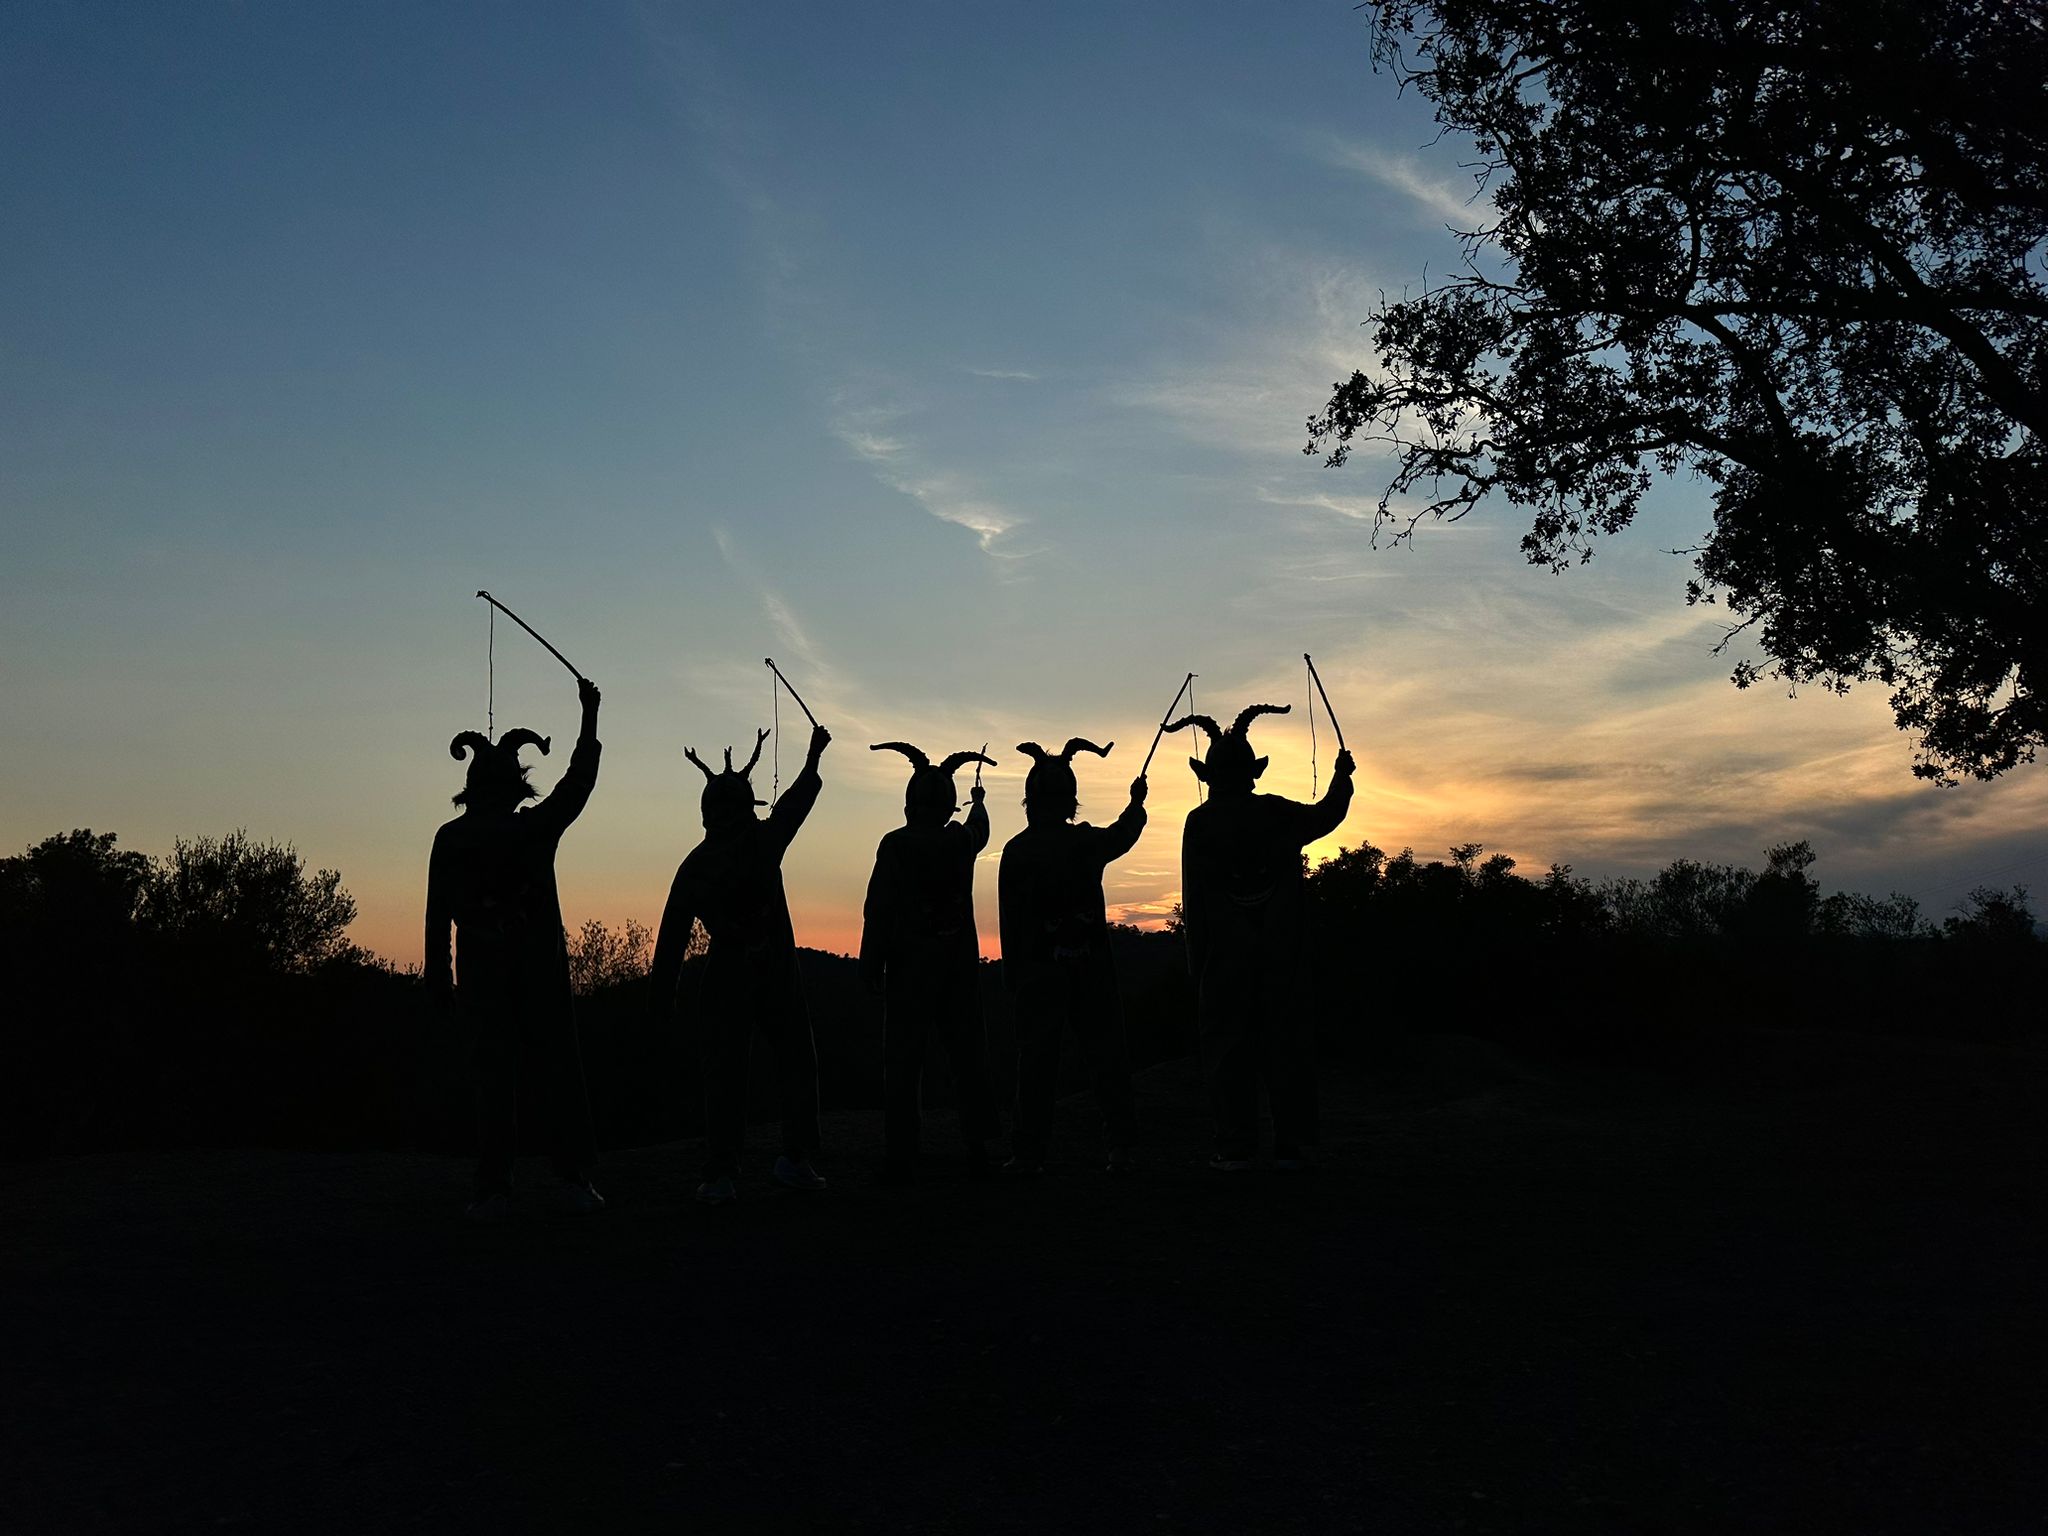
x,y
1799,251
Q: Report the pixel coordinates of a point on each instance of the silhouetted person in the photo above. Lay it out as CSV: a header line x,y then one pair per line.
x,y
1056,957
919,952
1242,905
492,876
732,883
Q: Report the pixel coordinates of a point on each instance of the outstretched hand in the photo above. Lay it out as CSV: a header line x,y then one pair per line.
x,y
820,739
977,794
1138,790
587,694
1346,764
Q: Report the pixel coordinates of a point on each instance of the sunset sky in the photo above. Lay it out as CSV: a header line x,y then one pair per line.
x,y
955,355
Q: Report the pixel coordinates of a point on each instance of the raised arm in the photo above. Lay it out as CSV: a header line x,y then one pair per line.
x,y
566,801
975,822
1121,835
802,794
1327,814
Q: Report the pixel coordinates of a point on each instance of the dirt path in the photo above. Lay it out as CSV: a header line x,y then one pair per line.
x,y
1802,1296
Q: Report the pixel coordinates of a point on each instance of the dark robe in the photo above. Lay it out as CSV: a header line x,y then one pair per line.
x,y
732,883
492,878
919,949
1057,963
1243,903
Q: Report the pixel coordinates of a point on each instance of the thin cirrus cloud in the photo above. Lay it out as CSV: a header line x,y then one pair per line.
x,y
1251,377
895,461
734,145
1427,190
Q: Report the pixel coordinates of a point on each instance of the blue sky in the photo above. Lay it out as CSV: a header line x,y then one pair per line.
x,y
955,355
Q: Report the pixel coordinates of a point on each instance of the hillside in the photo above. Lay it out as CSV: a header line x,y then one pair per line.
x,y
1798,1289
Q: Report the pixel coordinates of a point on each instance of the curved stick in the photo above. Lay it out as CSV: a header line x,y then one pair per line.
x,y
565,661
1162,722
1317,679
800,704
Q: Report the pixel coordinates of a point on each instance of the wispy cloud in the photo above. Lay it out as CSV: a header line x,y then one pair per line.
x,y
1246,383
1461,206
738,679
895,459
736,146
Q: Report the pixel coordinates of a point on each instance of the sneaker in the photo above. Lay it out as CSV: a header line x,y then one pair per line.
x,y
718,1191
1289,1160
1224,1164
490,1209
1027,1167
1120,1161
567,1199
799,1176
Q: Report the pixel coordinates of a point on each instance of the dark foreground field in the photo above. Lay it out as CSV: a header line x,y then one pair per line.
x,y
1800,1290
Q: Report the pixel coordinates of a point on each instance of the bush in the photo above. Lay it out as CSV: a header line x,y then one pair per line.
x,y
235,894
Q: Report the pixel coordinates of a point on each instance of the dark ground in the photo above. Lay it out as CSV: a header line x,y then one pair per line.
x,y
1797,1289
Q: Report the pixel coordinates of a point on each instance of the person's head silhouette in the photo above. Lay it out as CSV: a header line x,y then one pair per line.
x,y
497,781
728,799
1051,795
1229,767
930,799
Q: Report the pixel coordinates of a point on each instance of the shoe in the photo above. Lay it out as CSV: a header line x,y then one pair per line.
x,y
490,1209
896,1174
1224,1164
1120,1161
567,1199
799,1176
1290,1160
980,1168
718,1191
1026,1167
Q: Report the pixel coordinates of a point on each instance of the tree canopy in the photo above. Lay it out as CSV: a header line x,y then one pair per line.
x,y
1797,249
256,896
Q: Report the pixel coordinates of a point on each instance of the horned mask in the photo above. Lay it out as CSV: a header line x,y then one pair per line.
x,y
495,772
729,794
931,784
1051,779
1229,764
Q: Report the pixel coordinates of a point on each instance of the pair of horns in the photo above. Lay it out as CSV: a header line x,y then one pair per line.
x,y
705,768
918,760
1238,727
478,743
1074,744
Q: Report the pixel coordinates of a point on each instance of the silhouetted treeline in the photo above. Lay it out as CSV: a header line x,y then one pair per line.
x,y
210,997
1466,943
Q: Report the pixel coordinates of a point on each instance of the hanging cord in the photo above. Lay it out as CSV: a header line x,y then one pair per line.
x,y
491,677
1312,779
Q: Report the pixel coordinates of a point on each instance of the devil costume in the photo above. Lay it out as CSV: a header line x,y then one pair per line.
x,y
920,953
1243,905
492,877
1056,958
732,883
